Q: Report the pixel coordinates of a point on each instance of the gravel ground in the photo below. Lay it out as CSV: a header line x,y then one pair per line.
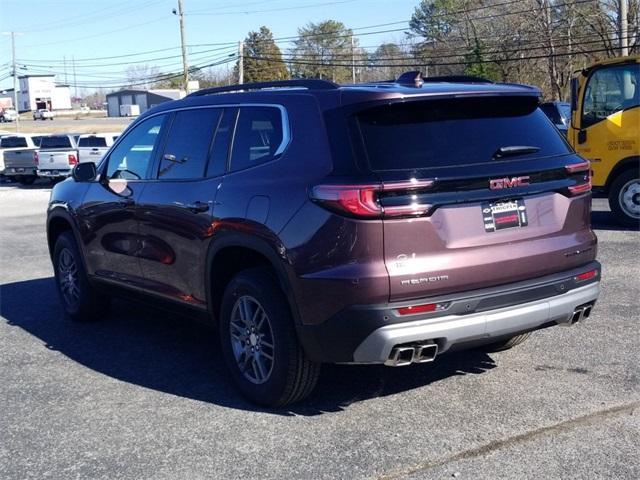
x,y
144,394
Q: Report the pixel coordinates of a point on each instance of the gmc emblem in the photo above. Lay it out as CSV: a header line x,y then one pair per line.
x,y
498,183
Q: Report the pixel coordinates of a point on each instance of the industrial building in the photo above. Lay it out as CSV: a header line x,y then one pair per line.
x,y
40,91
120,103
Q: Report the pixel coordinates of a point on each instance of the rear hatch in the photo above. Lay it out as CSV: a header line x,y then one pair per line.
x,y
475,192
57,152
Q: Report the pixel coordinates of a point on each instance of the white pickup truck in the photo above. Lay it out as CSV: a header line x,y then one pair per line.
x,y
57,156
43,114
92,147
17,153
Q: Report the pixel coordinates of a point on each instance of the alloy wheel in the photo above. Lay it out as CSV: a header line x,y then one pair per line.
x,y
68,278
252,339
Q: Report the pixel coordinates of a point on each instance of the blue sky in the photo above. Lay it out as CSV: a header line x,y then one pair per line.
x,y
88,29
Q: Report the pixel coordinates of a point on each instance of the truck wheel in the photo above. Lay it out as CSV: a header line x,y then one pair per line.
x,y
506,344
27,179
624,198
80,300
259,342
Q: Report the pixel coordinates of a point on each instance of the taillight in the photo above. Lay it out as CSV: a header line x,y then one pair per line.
x,y
364,200
584,172
36,158
72,159
586,275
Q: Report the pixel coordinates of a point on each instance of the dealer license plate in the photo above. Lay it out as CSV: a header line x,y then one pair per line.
x,y
504,214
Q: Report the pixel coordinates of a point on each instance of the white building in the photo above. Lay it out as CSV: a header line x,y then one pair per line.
x,y
41,91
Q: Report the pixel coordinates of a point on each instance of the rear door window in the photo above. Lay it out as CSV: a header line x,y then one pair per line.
x,y
257,137
188,144
13,142
58,141
443,133
92,142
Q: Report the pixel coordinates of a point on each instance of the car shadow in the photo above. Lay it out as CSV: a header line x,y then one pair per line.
x,y
174,354
604,220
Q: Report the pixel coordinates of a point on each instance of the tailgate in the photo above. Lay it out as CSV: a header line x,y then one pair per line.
x,y
20,158
91,154
56,160
480,192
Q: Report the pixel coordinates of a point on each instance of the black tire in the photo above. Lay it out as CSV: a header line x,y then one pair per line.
x,y
622,215
26,179
506,344
89,304
292,376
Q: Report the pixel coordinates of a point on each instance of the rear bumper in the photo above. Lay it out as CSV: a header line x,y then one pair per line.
x,y
17,171
368,334
54,173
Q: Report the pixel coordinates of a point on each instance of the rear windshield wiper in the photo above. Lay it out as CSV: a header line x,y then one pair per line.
x,y
513,150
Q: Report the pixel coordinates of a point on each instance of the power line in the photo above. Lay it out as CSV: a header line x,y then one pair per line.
x,y
280,9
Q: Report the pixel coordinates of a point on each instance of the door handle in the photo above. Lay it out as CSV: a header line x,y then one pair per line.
x,y
198,207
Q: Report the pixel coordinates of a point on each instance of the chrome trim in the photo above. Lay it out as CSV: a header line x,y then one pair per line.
x,y
284,116
449,330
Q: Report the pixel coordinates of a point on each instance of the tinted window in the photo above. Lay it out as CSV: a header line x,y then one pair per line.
x,y
37,140
187,148
441,133
92,142
610,90
58,141
133,156
220,150
258,135
13,142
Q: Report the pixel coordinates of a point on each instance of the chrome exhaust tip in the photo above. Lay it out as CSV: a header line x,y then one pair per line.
x,y
401,356
426,353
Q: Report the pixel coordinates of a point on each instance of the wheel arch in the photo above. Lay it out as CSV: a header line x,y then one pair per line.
x,y
622,166
233,252
59,221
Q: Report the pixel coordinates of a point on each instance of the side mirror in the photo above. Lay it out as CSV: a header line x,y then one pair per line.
x,y
574,94
84,172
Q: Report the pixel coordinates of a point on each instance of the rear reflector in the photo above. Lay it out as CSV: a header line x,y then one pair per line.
x,y
586,275
581,187
424,308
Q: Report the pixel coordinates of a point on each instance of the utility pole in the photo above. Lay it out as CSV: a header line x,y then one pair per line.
x,y
183,44
75,83
240,63
353,60
622,24
15,77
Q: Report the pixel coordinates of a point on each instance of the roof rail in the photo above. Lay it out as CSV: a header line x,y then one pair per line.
x,y
309,84
414,78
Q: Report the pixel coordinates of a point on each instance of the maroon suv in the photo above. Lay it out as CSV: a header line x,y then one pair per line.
x,y
383,223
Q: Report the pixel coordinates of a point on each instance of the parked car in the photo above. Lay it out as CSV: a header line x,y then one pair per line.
x,y
317,223
43,114
18,155
559,113
92,147
8,115
57,155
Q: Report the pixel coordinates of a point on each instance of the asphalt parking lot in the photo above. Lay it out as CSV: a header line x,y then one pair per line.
x,y
144,393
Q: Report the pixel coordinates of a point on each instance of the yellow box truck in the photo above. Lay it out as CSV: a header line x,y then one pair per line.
x,y
605,129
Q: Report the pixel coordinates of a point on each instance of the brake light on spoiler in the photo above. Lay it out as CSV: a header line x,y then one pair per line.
x,y
363,200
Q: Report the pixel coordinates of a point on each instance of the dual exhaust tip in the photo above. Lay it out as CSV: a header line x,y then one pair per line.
x,y
401,356
580,313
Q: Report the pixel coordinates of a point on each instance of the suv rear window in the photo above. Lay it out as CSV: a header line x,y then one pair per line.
x,y
92,142
13,142
441,133
60,141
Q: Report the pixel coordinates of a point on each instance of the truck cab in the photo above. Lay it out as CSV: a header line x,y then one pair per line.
x,y
605,129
